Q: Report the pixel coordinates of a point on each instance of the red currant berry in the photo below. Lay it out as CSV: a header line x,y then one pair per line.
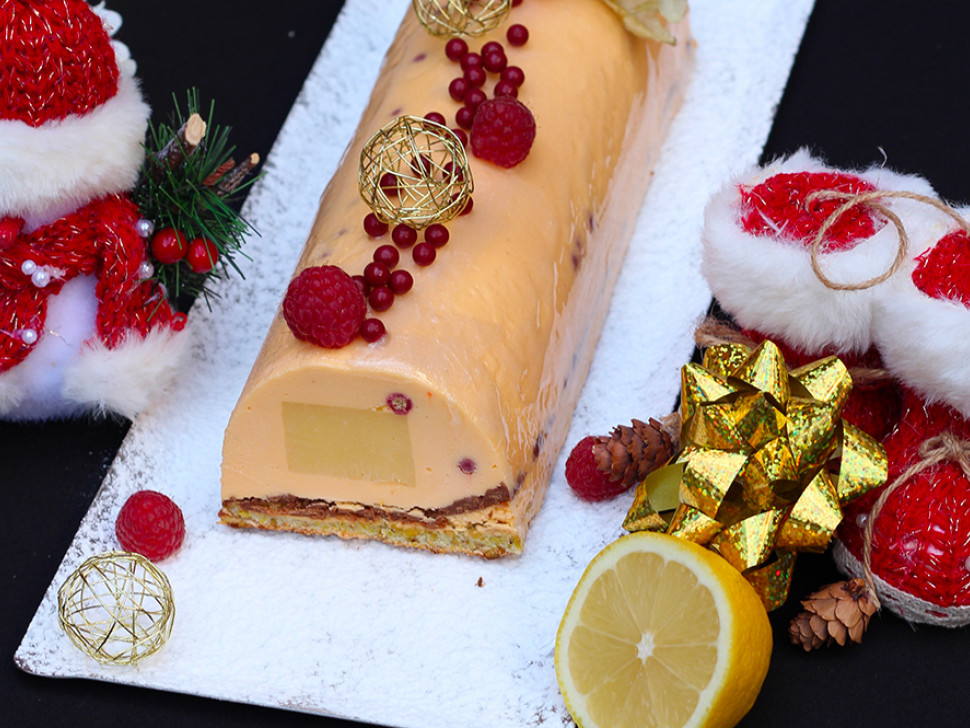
x,y
475,98
404,236
387,255
494,62
467,466
455,49
517,35
462,136
435,117
447,173
388,183
471,60
516,3
362,283
169,245
202,255
401,282
513,74
475,76
376,274
464,117
504,88
399,403
436,234
492,47
421,165
457,88
468,206
374,226
424,254
371,330
381,298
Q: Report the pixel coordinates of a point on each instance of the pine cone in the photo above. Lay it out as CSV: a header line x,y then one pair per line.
x,y
834,613
629,454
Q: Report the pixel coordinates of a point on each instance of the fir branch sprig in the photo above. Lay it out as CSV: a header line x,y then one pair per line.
x,y
195,190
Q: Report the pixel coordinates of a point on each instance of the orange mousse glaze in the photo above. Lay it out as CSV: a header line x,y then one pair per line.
x,y
492,345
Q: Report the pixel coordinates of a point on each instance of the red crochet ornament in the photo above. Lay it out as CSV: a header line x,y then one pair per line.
x,y
921,537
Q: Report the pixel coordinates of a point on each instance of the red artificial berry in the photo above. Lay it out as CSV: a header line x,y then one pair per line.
x,y
10,228
517,35
457,88
436,234
401,282
503,131
404,236
475,98
455,49
588,481
374,226
494,61
388,183
179,320
371,330
435,117
471,60
150,524
476,77
492,47
169,245
462,136
465,117
513,75
381,298
424,254
504,88
387,255
325,306
202,255
376,274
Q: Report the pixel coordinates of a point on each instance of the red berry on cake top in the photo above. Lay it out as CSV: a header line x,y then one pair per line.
x,y
150,524
588,481
503,131
324,306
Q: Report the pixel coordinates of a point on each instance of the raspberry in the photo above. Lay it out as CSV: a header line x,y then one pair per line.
x,y
325,306
589,482
503,131
149,523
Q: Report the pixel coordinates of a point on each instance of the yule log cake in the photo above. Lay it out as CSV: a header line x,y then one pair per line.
x,y
435,422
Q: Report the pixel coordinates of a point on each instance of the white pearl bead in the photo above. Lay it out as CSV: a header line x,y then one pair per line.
x,y
861,519
146,270
28,267
40,278
28,336
145,227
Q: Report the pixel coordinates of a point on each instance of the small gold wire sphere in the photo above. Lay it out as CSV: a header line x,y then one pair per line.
x,y
415,171
117,608
461,17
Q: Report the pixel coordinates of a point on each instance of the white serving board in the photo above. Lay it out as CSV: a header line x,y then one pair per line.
x,y
365,631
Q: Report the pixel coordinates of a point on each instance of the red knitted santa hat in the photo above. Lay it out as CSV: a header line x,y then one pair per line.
x,y
72,119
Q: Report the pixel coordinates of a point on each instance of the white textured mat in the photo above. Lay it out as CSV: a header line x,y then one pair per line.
x,y
362,630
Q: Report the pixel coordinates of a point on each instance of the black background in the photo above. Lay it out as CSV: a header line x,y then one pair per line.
x,y
870,78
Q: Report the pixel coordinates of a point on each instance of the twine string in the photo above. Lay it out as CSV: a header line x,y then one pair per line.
x,y
945,447
816,247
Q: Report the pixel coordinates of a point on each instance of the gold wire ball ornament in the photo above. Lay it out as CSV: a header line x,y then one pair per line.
x,y
461,17
117,608
415,171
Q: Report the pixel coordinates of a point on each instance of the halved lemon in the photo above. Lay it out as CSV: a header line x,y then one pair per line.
x,y
661,633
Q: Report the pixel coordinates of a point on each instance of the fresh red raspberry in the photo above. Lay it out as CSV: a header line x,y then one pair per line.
x,y
503,131
325,306
589,482
150,524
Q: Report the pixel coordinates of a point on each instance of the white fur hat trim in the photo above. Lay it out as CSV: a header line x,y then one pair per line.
x,y
767,283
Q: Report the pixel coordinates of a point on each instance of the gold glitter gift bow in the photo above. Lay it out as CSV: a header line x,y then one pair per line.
x,y
766,463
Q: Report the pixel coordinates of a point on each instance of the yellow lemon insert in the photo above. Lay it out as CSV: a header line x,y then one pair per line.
x,y
661,632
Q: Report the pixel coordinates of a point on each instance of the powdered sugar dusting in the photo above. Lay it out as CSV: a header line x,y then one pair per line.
x,y
362,630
